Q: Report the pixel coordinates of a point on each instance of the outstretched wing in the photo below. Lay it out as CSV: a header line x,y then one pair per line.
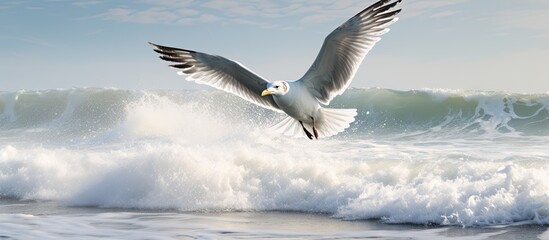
x,y
345,48
218,72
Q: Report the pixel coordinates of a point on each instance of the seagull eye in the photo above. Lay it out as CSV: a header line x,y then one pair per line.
x,y
276,86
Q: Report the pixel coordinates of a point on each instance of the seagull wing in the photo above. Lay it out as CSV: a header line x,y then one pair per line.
x,y
345,48
218,72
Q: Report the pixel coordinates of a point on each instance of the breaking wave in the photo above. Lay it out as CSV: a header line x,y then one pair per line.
x,y
381,111
422,157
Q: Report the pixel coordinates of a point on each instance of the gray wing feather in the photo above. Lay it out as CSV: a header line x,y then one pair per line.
x,y
344,49
218,72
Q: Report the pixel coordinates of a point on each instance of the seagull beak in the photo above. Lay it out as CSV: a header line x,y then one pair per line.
x,y
266,92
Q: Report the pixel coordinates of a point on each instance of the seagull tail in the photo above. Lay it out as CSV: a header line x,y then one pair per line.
x,y
289,127
329,122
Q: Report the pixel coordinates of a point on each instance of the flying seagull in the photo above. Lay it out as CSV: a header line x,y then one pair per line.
x,y
330,74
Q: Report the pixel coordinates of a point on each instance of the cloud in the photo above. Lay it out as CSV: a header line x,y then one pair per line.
x,y
6,5
280,13
169,3
88,3
432,8
506,18
200,18
446,13
146,16
257,12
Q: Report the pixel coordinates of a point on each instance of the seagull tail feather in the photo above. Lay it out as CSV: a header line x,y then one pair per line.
x,y
329,122
289,127
332,121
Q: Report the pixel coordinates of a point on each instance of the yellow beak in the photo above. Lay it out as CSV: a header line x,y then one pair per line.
x,y
265,93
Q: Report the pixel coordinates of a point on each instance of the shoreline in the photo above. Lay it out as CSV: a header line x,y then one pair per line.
x,y
53,219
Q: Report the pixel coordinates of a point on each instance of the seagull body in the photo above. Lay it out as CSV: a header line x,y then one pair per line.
x,y
297,102
330,74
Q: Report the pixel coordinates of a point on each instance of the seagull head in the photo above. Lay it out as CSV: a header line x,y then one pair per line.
x,y
276,88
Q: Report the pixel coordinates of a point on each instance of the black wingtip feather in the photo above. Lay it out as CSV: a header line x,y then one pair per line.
x,y
169,49
387,15
182,66
387,7
379,7
172,59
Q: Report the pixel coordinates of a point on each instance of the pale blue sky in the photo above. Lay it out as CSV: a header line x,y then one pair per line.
x,y
450,44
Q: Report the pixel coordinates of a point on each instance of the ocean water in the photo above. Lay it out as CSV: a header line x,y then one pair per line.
x,y
157,164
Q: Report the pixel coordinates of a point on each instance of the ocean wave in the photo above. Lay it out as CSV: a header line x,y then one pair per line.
x,y
382,112
422,157
367,180
441,112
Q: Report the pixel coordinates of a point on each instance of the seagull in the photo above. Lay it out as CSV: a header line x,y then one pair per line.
x,y
302,100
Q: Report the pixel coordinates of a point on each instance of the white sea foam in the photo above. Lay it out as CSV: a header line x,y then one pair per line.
x,y
420,189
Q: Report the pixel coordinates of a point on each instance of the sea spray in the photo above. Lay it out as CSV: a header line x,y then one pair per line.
x,y
428,156
381,111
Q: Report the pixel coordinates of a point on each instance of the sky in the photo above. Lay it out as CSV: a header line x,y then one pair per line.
x,y
495,45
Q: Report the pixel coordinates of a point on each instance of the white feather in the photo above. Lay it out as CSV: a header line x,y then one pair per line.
x,y
345,48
